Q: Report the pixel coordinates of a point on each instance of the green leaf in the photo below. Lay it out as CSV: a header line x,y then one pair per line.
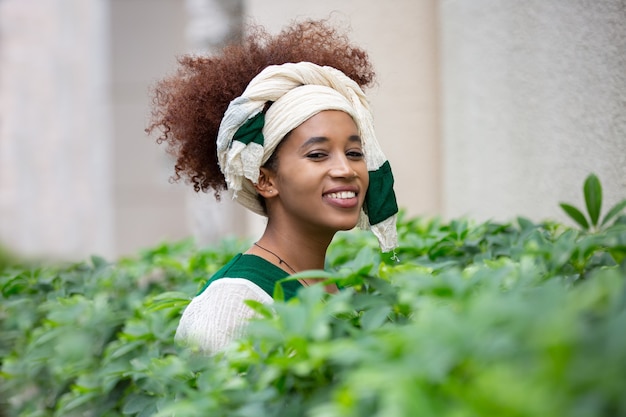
x,y
593,197
279,293
78,401
525,223
614,211
376,317
308,274
575,214
260,308
125,348
98,262
169,299
137,403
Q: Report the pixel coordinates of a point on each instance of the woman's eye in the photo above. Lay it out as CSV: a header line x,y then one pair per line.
x,y
316,155
355,154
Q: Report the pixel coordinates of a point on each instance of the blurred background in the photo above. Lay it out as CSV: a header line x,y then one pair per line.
x,y
486,109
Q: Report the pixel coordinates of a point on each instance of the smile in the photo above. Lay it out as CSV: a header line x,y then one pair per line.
x,y
342,195
342,199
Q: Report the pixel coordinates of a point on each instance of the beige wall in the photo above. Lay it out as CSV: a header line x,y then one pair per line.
x,y
55,128
534,99
146,38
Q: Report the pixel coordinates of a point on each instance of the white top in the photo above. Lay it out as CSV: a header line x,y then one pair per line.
x,y
217,316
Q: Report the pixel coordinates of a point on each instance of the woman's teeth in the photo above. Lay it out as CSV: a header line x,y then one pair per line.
x,y
342,195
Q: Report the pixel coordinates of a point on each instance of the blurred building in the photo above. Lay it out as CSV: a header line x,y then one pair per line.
x,y
487,109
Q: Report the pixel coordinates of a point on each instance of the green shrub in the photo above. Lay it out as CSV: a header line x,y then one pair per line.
x,y
507,319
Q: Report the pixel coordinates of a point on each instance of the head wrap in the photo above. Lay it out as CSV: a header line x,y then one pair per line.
x,y
248,136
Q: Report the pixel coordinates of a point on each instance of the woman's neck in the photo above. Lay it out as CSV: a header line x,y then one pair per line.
x,y
298,251
295,252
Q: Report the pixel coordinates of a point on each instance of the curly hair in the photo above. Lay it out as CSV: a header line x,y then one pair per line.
x,y
189,105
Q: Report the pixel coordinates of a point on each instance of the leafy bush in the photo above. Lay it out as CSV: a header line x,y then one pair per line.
x,y
507,319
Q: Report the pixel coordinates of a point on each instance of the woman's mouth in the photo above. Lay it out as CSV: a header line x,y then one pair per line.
x,y
342,195
342,199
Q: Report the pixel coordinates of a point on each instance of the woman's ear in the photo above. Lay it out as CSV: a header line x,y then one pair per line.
x,y
265,185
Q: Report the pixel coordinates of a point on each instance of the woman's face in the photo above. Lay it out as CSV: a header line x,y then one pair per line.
x,y
321,177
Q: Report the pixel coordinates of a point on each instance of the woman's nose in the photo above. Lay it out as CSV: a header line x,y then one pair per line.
x,y
342,168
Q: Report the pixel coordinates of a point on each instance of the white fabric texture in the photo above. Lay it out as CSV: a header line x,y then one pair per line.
x,y
218,315
298,92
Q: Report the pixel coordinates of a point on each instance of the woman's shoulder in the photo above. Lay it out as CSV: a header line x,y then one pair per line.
x,y
256,270
234,290
218,315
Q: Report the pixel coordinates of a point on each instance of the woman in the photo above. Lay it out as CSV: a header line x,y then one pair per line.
x,y
280,122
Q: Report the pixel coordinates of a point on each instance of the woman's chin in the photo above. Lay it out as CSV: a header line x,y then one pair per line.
x,y
347,225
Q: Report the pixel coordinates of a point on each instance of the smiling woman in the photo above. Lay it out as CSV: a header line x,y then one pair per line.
x,y
320,185
282,123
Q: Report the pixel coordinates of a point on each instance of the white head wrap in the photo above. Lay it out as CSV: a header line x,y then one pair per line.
x,y
299,91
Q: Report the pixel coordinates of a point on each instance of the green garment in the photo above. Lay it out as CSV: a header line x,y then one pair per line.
x,y
257,270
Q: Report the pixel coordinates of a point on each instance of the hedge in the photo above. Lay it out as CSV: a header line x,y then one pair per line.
x,y
476,319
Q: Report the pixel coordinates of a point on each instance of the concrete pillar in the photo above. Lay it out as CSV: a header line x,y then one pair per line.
x,y
146,38
55,135
534,99
211,24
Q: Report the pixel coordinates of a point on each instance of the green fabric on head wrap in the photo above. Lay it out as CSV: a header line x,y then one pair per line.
x,y
252,130
380,199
